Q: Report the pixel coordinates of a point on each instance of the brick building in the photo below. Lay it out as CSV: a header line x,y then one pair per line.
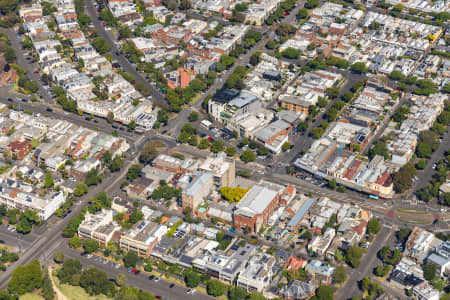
x,y
168,163
19,148
256,207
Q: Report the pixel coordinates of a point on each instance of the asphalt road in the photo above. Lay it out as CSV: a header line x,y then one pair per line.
x,y
302,141
51,240
175,125
57,113
426,175
161,288
12,238
368,262
123,61
29,67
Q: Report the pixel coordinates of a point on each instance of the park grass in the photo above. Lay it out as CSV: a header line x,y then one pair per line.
x,y
196,98
75,292
30,296
413,211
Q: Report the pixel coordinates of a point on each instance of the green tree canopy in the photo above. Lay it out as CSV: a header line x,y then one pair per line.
x,y
25,279
248,156
192,279
373,226
130,259
359,67
48,182
339,276
133,172
429,271
101,45
215,288
69,268
236,293
353,256
96,282
90,245
325,292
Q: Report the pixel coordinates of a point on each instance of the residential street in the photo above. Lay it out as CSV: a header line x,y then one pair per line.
x,y
425,176
53,235
369,261
161,288
29,67
123,62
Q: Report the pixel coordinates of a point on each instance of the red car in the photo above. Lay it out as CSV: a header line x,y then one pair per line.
x,y
158,297
286,14
36,72
134,271
104,23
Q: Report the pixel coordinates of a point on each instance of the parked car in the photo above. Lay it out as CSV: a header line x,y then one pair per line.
x,y
190,291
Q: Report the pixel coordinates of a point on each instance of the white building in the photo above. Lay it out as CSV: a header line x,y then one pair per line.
x,y
14,194
257,274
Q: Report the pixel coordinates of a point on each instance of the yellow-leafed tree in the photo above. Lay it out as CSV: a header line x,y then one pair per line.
x,y
233,194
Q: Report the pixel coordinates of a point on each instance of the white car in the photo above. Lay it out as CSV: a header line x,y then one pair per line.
x,y
190,291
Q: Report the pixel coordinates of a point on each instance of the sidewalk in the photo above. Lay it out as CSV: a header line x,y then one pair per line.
x,y
59,294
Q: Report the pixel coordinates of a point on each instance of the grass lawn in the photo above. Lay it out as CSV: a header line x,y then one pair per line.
x,y
405,220
413,211
197,97
76,292
30,296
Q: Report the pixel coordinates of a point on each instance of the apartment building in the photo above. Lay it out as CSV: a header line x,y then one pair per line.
x,y
99,227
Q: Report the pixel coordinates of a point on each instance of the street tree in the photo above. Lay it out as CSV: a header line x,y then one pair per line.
x,y
48,182
373,226
90,245
248,156
339,276
325,292
130,259
429,271
215,288
59,257
192,279
121,279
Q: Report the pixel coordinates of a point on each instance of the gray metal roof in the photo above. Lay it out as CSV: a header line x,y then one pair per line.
x,y
301,212
195,185
271,129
